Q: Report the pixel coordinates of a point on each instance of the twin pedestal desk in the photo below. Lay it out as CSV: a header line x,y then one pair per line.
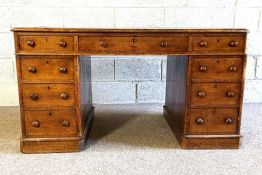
x,y
204,86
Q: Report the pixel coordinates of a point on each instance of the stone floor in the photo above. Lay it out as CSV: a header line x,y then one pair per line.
x,y
133,139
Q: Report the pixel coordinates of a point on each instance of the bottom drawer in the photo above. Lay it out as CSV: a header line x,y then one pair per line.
x,y
213,121
50,123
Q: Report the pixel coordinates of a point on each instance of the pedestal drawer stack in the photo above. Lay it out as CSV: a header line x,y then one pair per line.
x,y
215,92
54,119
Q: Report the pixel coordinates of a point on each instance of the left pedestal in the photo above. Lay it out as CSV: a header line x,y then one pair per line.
x,y
55,102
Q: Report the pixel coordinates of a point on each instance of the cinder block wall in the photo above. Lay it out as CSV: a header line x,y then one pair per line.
x,y
130,79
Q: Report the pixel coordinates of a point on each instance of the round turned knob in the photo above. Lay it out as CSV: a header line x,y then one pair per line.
x,y
163,44
228,121
103,44
64,96
62,44
201,94
203,68
32,69
232,68
200,121
203,44
30,43
34,97
233,43
230,94
35,124
63,69
65,123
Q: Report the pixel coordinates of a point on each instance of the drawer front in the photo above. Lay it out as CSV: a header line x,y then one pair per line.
x,y
215,94
105,45
217,44
160,44
46,43
217,68
213,121
50,123
47,69
48,95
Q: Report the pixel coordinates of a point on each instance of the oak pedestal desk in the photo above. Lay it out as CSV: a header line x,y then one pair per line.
x,y
204,86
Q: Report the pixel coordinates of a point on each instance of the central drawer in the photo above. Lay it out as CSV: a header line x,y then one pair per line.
x,y
105,45
48,95
215,94
157,44
160,44
50,123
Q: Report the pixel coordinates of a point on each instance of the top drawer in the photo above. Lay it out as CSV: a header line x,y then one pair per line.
x,y
149,44
46,43
217,44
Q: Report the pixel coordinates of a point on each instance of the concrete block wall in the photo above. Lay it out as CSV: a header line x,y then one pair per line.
x,y
130,79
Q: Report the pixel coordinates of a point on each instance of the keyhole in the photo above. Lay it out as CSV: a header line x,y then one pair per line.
x,y
48,87
50,113
47,62
218,40
133,40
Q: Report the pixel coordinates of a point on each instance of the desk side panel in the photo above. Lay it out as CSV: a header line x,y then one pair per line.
x,y
176,93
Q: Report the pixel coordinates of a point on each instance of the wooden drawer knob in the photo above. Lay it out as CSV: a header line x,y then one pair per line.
x,y
34,97
36,124
30,43
201,94
232,68
233,43
63,69
230,94
200,121
203,68
203,44
32,69
163,44
103,44
228,121
64,96
65,123
62,44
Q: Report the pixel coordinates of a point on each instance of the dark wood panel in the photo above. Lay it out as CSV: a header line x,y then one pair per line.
x,y
176,93
84,89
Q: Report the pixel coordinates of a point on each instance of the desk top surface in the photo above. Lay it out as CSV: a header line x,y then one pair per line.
x,y
127,30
